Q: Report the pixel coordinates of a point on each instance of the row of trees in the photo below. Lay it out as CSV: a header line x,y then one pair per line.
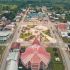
x,y
12,10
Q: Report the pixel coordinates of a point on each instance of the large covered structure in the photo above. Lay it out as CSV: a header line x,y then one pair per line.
x,y
35,57
4,36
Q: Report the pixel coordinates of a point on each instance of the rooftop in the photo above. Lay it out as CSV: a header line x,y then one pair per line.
x,y
5,33
62,26
35,54
12,56
15,45
12,65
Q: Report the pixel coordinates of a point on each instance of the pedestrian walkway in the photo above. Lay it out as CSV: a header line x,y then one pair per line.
x,y
67,60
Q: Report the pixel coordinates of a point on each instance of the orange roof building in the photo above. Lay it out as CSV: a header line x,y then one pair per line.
x,y
62,26
35,57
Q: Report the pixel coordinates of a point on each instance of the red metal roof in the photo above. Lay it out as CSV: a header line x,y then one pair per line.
x,y
35,54
15,45
35,59
36,41
62,26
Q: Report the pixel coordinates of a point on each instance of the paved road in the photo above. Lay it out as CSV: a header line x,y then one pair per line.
x,y
61,45
13,40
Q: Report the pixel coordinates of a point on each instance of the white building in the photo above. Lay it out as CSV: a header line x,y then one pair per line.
x,y
68,23
12,61
64,34
4,36
12,65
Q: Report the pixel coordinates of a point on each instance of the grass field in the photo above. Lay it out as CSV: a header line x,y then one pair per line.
x,y
56,65
25,36
66,40
2,49
47,32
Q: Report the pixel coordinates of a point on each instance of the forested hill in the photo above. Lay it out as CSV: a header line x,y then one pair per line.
x,y
40,2
64,1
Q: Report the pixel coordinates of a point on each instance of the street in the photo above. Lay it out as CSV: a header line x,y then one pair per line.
x,y
16,36
61,45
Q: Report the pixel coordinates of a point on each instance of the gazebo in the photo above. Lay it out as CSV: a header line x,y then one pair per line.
x,y
35,57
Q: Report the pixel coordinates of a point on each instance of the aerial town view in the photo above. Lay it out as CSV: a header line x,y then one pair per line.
x,y
34,34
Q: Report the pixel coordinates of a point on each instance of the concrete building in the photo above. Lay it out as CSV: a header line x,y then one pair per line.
x,y
12,61
13,57
12,65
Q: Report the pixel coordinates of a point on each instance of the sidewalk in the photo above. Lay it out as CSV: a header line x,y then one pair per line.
x,y
66,58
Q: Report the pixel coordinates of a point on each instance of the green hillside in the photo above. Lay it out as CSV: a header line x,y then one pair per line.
x,y
65,3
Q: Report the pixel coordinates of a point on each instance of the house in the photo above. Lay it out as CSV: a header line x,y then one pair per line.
x,y
68,23
15,47
2,23
62,29
63,16
35,57
18,18
10,27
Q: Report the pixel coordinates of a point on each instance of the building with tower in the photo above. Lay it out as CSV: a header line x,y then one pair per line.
x,y
35,57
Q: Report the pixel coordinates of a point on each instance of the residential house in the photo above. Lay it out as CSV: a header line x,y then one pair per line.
x,y
62,29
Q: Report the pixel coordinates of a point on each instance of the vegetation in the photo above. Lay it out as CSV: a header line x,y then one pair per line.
x,y
25,36
8,10
67,16
66,40
47,32
59,6
65,3
22,49
2,49
56,65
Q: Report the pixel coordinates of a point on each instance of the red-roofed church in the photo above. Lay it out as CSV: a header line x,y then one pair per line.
x,y
35,57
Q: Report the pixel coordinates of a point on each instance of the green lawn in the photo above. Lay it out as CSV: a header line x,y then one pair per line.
x,y
47,32
25,36
56,65
66,40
